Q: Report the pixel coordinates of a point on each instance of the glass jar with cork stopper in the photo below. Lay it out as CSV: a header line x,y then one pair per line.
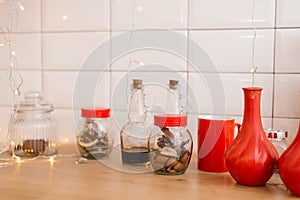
x,y
134,134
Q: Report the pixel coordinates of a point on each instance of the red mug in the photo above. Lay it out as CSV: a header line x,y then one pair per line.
x,y
215,134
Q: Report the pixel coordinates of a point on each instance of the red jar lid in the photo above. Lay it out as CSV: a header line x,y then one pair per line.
x,y
95,112
170,120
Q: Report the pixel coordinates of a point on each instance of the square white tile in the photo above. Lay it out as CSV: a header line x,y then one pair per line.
x,y
205,94
290,125
288,13
69,51
75,15
27,50
66,126
287,95
29,15
287,48
155,88
32,82
128,14
230,14
162,50
231,50
77,89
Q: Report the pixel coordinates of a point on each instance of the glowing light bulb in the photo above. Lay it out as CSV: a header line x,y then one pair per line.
x,y
254,69
65,17
2,44
20,6
140,8
13,53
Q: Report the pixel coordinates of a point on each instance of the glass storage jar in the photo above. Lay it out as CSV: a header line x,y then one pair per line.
x,y
278,139
170,144
32,129
95,139
134,134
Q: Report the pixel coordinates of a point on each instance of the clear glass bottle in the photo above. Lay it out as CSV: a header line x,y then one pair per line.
x,y
95,139
32,130
170,144
278,139
173,105
134,134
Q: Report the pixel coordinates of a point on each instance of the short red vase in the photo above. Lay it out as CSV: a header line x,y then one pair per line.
x,y
289,166
251,158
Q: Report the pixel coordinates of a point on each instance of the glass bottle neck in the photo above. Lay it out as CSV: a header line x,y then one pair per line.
x,y
173,105
137,111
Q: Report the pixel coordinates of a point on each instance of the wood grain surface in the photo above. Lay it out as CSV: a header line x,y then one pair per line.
x,y
63,179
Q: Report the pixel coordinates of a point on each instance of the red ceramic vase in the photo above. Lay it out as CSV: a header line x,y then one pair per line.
x,y
289,166
251,158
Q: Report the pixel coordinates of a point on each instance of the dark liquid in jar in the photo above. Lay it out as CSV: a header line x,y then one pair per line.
x,y
135,155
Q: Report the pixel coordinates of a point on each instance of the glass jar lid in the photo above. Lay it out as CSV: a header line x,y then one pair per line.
x,y
170,120
95,112
34,101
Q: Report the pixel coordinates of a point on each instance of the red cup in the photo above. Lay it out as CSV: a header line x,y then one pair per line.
x,y
215,134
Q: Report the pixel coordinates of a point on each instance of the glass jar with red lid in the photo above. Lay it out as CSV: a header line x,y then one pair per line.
x,y
170,144
95,140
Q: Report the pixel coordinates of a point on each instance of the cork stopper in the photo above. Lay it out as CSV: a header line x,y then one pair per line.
x,y
137,83
173,84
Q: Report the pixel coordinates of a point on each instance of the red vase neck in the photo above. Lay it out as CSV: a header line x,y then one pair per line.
x,y
252,115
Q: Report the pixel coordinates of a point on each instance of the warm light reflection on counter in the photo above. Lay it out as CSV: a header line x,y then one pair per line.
x,y
51,160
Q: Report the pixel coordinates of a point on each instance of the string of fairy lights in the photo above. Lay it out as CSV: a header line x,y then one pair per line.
x,y
9,33
254,68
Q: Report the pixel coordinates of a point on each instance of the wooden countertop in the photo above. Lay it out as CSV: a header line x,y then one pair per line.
x,y
39,179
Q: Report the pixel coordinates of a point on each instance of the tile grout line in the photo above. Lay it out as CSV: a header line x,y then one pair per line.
x,y
274,63
42,47
110,56
188,56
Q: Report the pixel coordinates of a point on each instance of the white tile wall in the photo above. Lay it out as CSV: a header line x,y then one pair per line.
x,y
24,43
288,13
160,58
206,14
287,48
70,50
287,96
75,15
56,37
203,87
62,97
223,47
149,14
32,82
29,19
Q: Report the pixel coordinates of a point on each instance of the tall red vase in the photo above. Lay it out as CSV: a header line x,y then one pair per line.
x,y
251,158
289,166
